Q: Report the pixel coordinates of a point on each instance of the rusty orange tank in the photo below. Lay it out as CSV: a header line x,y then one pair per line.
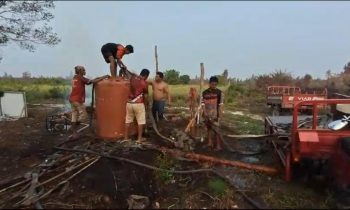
x,y
111,96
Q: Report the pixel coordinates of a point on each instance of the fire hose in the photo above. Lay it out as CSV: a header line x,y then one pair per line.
x,y
92,104
215,127
154,126
247,198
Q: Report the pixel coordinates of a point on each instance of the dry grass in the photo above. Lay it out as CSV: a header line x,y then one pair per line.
x,y
304,199
227,200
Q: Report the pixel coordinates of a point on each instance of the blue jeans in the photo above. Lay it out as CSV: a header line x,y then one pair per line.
x,y
158,110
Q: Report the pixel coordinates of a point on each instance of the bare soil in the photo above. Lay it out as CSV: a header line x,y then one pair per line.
x,y
26,143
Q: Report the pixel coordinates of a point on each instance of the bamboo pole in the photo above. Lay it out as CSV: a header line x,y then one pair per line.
x,y
200,90
156,56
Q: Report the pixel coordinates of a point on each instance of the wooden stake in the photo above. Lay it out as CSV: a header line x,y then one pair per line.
x,y
193,120
200,90
156,55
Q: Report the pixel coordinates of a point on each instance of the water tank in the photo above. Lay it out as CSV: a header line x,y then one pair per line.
x,y
111,96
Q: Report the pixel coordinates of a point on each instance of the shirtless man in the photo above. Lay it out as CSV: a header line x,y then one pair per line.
x,y
160,94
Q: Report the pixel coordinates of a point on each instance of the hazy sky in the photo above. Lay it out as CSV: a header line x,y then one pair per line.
x,y
244,37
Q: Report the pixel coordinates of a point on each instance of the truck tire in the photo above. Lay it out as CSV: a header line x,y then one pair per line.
x,y
345,145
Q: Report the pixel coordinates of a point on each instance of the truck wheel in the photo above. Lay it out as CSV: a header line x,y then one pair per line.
x,y
345,145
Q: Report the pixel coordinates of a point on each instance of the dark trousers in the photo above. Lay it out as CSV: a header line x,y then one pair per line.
x,y
158,110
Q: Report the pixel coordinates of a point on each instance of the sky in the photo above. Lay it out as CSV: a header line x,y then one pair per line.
x,y
244,37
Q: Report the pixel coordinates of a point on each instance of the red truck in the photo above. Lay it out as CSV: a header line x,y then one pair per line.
x,y
317,144
281,98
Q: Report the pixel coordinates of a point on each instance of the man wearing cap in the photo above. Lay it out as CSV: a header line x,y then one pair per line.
x,y
113,54
77,96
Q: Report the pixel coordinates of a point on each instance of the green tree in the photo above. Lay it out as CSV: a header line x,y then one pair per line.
x,y
172,76
346,80
278,77
222,79
26,23
328,74
347,68
225,74
184,79
307,79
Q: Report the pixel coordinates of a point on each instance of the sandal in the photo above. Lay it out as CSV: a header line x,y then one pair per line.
x,y
125,141
140,141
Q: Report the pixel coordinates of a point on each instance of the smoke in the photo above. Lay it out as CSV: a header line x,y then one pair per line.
x,y
78,47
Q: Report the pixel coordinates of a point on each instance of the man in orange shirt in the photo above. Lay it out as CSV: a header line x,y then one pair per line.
x,y
112,52
77,96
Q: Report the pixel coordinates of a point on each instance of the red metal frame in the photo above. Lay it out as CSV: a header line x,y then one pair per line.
x,y
282,90
288,95
314,143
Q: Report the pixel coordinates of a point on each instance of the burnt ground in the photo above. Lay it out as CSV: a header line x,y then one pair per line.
x,y
108,183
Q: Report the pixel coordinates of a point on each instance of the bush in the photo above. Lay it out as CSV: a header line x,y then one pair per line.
x,y
55,92
34,95
234,91
164,162
217,186
172,76
184,79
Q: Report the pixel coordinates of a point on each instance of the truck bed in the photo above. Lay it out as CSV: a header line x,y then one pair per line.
x,y
282,124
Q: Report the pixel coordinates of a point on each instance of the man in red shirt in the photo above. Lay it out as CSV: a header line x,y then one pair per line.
x,y
137,103
77,96
112,52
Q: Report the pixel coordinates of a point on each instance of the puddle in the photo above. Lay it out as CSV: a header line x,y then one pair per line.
x,y
49,105
240,183
236,113
253,116
250,160
178,107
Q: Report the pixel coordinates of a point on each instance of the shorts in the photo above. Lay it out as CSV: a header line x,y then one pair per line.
x,y
158,110
79,113
107,50
208,123
135,110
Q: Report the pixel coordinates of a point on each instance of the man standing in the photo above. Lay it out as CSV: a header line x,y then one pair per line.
x,y
77,96
160,94
212,104
112,52
135,106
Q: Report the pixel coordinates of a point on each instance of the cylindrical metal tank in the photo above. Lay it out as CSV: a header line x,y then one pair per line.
x,y
111,96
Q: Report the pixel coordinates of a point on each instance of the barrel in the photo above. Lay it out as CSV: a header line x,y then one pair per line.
x,y
111,96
